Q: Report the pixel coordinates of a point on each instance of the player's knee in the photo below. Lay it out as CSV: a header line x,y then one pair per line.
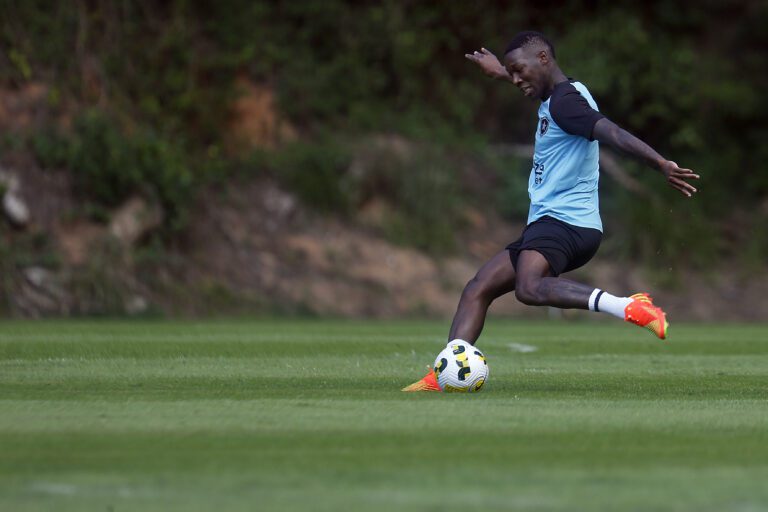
x,y
527,293
476,289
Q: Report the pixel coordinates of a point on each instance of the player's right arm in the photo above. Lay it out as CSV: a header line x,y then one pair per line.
x,y
608,132
489,64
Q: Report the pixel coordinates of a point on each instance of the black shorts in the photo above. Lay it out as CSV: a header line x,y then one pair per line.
x,y
564,246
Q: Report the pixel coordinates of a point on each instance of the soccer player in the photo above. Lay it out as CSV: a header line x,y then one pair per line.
x,y
564,228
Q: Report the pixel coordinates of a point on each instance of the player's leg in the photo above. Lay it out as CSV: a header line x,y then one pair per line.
x,y
493,280
536,287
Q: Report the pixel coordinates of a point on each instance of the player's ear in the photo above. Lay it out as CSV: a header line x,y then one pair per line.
x,y
543,56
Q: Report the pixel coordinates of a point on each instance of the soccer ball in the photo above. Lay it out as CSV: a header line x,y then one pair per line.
x,y
461,367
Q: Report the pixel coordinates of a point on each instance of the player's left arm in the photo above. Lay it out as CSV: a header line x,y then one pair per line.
x,y
610,133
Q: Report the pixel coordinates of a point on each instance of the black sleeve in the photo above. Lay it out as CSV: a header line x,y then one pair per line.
x,y
571,111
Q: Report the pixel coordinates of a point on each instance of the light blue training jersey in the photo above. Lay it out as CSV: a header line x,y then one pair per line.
x,y
565,175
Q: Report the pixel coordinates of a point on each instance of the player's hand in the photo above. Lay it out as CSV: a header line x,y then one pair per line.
x,y
677,177
488,63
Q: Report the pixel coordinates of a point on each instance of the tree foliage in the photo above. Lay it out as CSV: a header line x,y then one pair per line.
x,y
688,78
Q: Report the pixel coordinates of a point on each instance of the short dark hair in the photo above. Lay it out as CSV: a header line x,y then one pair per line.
x,y
528,37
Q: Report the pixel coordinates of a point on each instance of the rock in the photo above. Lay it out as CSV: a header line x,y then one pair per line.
x,y
134,219
279,207
136,305
45,281
14,206
32,303
41,293
76,239
15,209
37,276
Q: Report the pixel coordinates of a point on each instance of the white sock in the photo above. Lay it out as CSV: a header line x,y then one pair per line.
x,y
607,303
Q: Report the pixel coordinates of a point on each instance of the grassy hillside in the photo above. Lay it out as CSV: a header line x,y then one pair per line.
x,y
143,98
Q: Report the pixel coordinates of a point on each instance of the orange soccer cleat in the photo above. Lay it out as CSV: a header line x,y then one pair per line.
x,y
642,312
428,383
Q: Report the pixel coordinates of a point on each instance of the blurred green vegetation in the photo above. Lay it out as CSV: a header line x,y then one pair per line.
x,y
153,84
108,166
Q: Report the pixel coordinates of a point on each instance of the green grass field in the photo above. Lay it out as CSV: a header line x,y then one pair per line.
x,y
307,415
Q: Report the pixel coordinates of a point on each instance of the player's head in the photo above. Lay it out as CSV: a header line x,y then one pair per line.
x,y
530,59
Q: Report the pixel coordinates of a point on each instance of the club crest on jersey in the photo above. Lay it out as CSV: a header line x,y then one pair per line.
x,y
543,126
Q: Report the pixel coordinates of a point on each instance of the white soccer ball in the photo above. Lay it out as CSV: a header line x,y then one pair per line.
x,y
461,367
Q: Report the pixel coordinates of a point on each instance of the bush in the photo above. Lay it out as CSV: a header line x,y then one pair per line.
x,y
109,165
428,202
169,69
316,172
